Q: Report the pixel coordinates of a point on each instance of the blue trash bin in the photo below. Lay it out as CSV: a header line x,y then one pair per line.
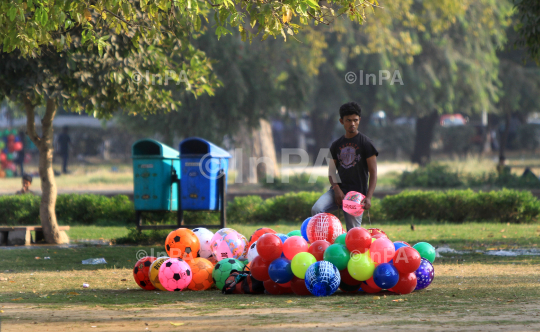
x,y
204,169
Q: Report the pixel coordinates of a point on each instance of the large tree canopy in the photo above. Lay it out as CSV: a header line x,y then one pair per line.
x,y
26,25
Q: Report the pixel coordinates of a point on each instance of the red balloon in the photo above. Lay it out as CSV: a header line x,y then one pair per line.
x,y
286,285
11,147
17,146
346,278
372,283
258,233
407,260
366,287
382,251
293,246
269,247
275,289
406,283
259,269
3,157
376,233
11,138
298,286
317,249
358,239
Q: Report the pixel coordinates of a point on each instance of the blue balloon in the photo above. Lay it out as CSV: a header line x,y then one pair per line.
x,y
303,229
322,278
424,274
283,237
385,276
397,245
280,271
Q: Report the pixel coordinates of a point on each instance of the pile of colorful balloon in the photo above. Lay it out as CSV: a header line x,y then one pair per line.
x,y
324,258
318,259
10,145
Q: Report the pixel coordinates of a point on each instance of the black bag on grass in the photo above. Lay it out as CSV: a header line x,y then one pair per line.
x,y
242,283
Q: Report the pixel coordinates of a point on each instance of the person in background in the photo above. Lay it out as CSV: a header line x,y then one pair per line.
x,y
64,141
21,153
26,183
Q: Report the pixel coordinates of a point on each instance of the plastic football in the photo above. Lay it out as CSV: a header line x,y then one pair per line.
x,y
324,226
322,278
223,269
175,274
258,233
182,243
141,272
231,245
204,236
252,252
154,272
201,270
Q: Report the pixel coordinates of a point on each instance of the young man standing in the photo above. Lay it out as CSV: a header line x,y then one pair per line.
x,y
354,157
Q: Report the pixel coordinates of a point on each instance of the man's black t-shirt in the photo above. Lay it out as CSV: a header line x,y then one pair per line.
x,y
351,154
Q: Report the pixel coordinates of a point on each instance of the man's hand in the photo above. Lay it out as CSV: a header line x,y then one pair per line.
x,y
338,196
367,203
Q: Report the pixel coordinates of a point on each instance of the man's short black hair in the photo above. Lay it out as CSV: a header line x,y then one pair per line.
x,y
350,108
27,177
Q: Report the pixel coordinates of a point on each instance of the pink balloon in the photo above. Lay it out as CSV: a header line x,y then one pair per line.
x,y
352,203
293,246
382,250
17,146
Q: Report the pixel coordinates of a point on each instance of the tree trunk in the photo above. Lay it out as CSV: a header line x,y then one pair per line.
x,y
259,143
44,144
424,136
504,138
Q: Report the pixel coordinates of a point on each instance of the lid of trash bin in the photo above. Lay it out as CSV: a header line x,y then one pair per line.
x,y
196,146
148,147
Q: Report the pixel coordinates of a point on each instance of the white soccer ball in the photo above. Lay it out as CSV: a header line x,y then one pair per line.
x,y
204,236
252,252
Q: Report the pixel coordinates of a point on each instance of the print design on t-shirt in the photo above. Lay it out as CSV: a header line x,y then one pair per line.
x,y
347,155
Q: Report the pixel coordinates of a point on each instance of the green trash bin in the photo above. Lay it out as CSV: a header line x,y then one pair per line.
x,y
156,169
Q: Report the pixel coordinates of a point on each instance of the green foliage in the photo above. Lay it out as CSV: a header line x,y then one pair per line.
x,y
503,180
431,176
297,182
27,25
457,139
528,12
463,205
135,236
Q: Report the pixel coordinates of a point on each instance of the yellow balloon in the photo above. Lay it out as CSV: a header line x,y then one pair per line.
x,y
301,262
361,266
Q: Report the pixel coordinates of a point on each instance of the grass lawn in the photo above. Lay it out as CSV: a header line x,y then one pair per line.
x,y
475,291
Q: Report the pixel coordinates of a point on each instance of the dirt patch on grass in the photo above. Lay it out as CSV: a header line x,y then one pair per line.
x,y
182,318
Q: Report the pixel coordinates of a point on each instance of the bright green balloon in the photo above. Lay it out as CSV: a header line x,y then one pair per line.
x,y
338,255
294,233
341,239
426,251
301,262
361,266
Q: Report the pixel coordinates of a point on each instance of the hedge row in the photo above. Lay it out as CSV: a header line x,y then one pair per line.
x,y
453,205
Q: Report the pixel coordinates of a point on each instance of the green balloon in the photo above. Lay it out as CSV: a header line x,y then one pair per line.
x,y
341,239
14,131
294,233
301,262
426,251
6,132
361,266
338,255
10,156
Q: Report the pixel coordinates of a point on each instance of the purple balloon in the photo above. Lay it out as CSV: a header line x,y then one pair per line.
x,y
424,274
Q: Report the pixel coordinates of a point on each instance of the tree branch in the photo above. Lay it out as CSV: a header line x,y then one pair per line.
x,y
30,122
